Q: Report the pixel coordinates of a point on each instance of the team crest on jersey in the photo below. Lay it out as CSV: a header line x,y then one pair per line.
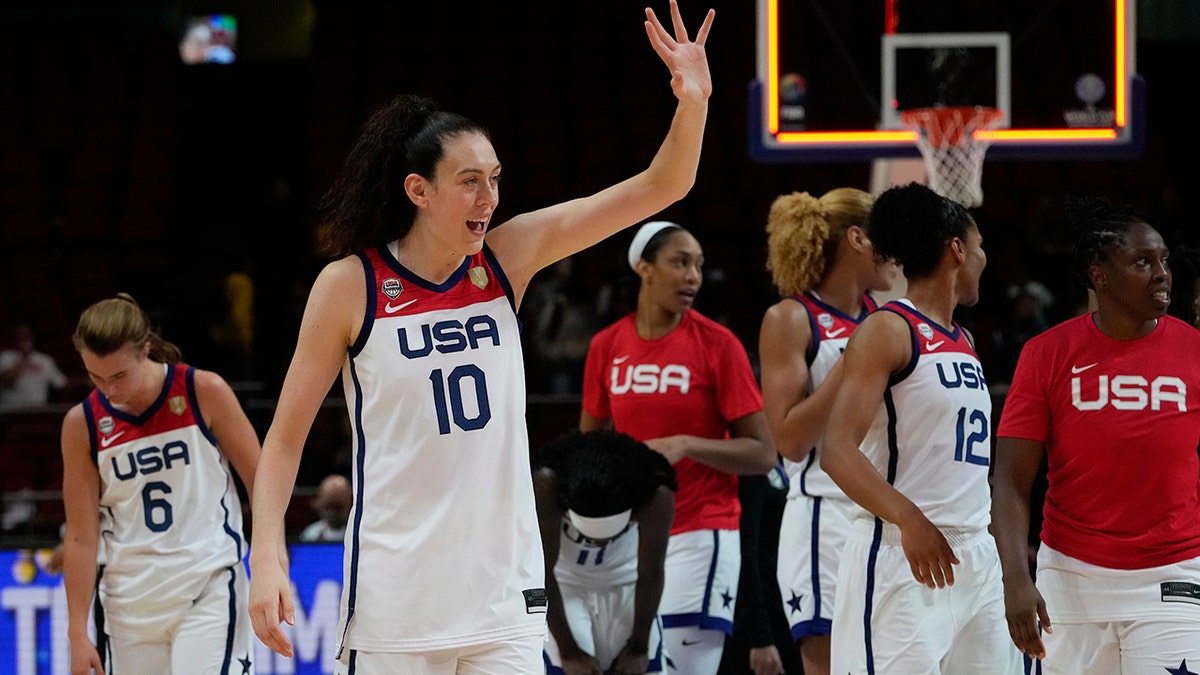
x,y
925,331
177,404
825,319
391,287
478,276
105,425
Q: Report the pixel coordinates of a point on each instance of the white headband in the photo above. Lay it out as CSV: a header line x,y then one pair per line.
x,y
643,237
604,527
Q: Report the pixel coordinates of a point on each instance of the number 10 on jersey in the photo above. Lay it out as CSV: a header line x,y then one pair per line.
x,y
449,389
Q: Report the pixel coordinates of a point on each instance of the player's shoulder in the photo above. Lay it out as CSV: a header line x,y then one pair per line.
x,y
1067,329
700,323
787,309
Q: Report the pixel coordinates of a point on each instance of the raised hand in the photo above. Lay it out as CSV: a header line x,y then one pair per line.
x,y
690,79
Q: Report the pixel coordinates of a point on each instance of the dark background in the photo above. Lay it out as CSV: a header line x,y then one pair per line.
x,y
121,169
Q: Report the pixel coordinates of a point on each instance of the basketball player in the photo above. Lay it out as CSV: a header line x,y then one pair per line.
x,y
605,505
682,383
823,264
148,451
914,399
443,572
1112,400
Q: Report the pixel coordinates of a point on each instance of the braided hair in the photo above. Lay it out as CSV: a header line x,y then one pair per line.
x,y
1096,228
603,472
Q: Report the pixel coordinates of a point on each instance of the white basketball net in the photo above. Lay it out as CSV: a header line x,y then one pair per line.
x,y
953,156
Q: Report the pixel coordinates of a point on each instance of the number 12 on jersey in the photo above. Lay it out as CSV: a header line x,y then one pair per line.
x,y
964,444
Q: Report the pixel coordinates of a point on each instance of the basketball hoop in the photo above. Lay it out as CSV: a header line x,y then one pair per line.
x,y
953,156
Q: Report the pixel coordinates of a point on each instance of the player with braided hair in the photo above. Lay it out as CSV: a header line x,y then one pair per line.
x,y
605,505
1110,400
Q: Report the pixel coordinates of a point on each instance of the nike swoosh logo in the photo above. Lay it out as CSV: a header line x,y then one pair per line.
x,y
687,643
933,345
835,333
619,361
390,309
1076,371
105,442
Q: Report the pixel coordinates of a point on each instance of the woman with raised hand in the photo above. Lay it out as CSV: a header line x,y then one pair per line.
x,y
443,570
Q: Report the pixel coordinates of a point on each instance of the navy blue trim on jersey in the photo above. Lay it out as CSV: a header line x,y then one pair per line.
x,y
140,420
893,445
903,308
702,618
808,464
359,476
872,557
364,330
233,534
93,442
915,345
194,401
230,630
869,305
877,533
815,557
385,253
814,344
500,277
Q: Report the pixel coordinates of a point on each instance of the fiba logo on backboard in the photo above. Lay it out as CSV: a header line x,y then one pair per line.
x,y
793,91
1089,89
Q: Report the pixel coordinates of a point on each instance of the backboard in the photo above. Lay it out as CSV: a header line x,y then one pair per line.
x,y
833,76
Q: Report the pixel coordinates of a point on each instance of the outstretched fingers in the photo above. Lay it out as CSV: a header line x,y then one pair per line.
x,y
677,21
658,33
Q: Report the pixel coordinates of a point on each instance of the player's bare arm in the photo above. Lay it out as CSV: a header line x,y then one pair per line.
x,y
589,423
550,515
654,532
1016,466
783,342
531,241
880,347
748,450
81,502
228,422
335,307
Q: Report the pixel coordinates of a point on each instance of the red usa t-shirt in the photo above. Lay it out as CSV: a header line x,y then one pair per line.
x,y
1121,423
695,380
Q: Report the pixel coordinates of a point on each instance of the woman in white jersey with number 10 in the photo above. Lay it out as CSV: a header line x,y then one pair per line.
x,y
443,570
919,590
823,264
147,482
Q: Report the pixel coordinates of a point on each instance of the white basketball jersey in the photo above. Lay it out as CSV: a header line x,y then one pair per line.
x,y
443,548
582,563
931,436
170,511
831,330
